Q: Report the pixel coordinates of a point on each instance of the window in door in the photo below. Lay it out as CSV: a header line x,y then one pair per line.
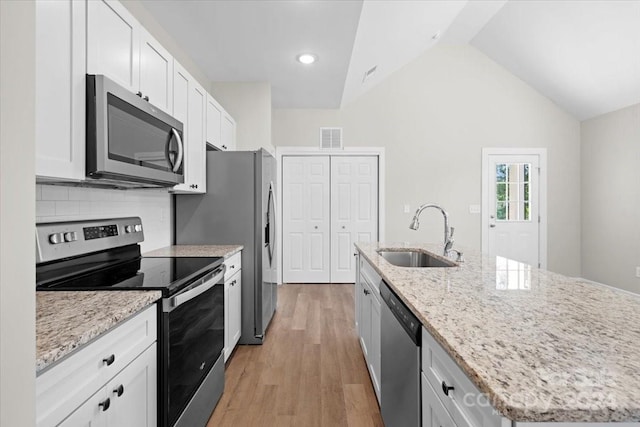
x,y
513,192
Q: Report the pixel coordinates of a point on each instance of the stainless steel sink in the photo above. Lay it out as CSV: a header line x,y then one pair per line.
x,y
414,259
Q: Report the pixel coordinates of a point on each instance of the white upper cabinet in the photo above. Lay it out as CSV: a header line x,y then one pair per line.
x,y
221,128
60,89
189,104
156,72
214,121
228,132
121,49
113,43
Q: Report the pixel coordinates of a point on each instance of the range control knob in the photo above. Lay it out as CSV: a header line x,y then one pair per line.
x,y
138,227
56,238
70,236
128,228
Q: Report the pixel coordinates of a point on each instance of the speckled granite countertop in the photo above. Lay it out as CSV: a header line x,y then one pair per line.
x,y
543,347
224,251
67,320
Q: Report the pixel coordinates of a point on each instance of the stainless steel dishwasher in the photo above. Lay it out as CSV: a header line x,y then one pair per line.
x,y
400,360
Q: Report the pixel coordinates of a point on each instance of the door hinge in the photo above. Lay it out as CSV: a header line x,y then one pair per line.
x,y
539,265
539,220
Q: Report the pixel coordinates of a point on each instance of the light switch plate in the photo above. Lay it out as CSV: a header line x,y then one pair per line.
x,y
637,271
474,209
407,208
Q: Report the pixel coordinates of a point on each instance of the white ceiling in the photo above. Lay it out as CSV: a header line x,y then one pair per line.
x,y
584,55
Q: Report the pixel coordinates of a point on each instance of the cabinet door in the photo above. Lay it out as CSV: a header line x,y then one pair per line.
x,y
156,72
60,89
227,302
228,132
189,108
214,122
358,295
235,307
133,393
113,43
374,348
90,413
196,146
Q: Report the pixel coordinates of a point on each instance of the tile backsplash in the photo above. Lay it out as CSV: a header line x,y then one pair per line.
x,y
153,206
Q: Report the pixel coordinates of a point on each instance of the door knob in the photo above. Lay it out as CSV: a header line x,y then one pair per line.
x,y
343,227
316,227
492,225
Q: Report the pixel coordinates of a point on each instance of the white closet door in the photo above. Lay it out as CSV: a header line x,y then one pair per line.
x,y
354,211
306,219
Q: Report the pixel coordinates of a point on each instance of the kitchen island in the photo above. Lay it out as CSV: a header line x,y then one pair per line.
x,y
542,347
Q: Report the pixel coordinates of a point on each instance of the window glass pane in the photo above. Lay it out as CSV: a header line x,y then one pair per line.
x,y
501,192
501,172
501,210
513,191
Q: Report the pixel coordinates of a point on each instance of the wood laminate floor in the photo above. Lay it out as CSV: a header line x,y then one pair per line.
x,y
309,372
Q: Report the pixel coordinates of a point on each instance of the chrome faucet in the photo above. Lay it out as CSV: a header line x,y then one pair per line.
x,y
448,231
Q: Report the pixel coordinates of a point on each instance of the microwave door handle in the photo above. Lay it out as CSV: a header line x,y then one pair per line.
x,y
178,163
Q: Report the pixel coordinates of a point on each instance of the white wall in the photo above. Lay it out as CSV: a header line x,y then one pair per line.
x,y
611,198
433,117
61,203
249,103
17,183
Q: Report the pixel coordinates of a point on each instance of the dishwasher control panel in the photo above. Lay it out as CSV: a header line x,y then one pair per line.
x,y
407,319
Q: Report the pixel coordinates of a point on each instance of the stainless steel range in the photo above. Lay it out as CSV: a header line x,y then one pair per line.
x,y
105,255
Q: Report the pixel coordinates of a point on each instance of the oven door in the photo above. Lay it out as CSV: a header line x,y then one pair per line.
x,y
130,139
193,340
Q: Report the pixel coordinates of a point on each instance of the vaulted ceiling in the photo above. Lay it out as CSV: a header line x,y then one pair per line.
x,y
583,55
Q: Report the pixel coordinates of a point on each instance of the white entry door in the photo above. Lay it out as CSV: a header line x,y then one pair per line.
x,y
306,219
512,200
354,211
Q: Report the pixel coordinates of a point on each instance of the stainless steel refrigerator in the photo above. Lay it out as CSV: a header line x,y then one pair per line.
x,y
239,208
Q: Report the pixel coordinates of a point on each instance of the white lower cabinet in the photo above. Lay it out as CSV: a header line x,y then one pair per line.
x,y
462,403
109,382
434,413
232,303
368,319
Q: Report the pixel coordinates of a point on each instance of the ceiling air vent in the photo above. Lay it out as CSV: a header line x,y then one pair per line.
x,y
331,138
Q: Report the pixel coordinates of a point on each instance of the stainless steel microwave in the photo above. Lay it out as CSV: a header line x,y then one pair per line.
x,y
130,142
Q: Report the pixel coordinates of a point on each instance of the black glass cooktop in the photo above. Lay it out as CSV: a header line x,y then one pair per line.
x,y
166,274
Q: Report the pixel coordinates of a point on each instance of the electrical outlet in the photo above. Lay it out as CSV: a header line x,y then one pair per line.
x,y
637,271
474,209
407,208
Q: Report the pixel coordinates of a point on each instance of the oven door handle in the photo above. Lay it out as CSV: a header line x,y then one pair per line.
x,y
208,282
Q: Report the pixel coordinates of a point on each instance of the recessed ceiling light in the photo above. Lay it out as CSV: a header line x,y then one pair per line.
x,y
307,58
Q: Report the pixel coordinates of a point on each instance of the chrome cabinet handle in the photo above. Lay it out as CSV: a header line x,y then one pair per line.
x,y
109,360
146,98
366,292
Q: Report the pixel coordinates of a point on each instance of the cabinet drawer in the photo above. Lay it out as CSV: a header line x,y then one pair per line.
x,y
434,413
233,264
467,406
65,386
370,274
